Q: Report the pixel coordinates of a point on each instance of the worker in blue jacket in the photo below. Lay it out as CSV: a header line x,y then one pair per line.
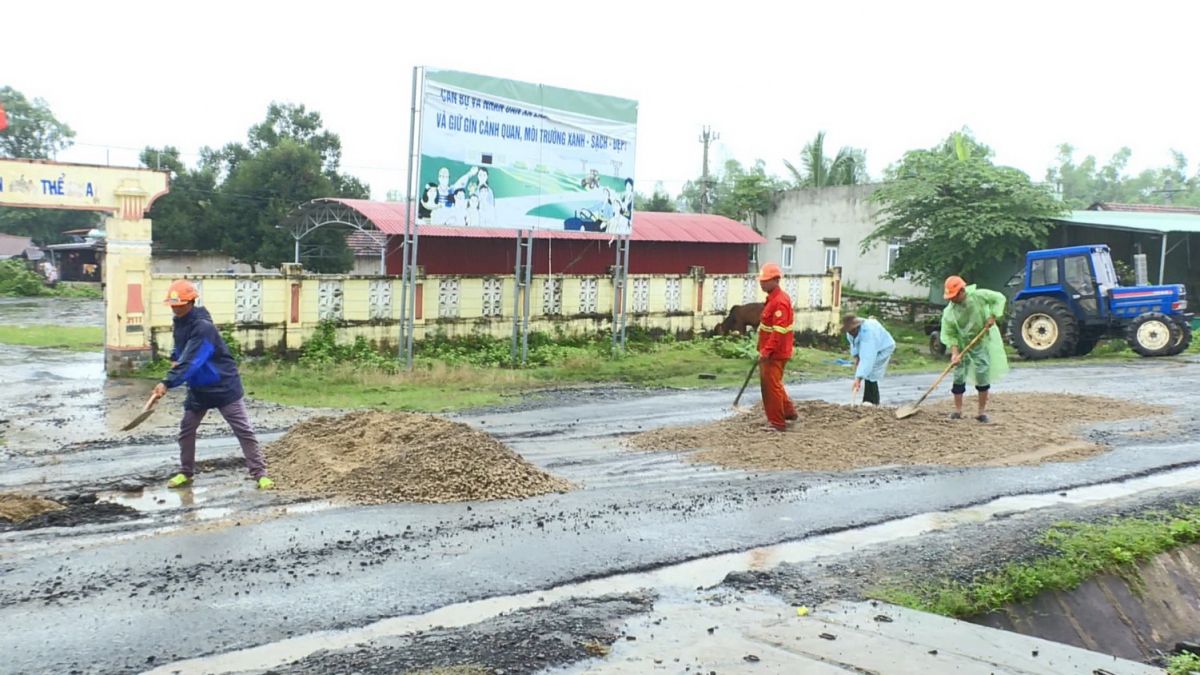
x,y
201,359
871,346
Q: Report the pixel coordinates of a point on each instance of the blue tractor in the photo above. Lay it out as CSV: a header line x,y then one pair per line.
x,y
1070,299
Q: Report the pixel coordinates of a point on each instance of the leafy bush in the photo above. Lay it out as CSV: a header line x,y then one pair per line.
x,y
733,347
18,280
322,349
235,347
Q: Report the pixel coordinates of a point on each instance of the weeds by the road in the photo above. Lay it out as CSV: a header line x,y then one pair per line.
x,y
1082,551
76,338
17,280
451,373
1183,663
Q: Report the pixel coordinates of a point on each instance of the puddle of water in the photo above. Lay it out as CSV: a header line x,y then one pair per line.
x,y
163,499
680,578
55,311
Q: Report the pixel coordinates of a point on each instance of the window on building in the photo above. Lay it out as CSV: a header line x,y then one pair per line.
x,y
786,258
831,255
893,252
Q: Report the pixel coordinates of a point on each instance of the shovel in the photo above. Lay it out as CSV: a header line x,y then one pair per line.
x,y
741,391
147,411
910,409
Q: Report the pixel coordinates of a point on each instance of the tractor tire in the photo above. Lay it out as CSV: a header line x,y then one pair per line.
x,y
1185,339
935,345
1085,345
1042,328
1153,334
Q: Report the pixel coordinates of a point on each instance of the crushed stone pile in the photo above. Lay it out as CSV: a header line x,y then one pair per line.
x,y
378,457
16,507
1024,429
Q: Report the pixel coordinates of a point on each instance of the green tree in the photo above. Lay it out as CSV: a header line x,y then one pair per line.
x,y
1087,182
660,200
748,192
183,218
959,212
847,167
288,159
736,192
33,132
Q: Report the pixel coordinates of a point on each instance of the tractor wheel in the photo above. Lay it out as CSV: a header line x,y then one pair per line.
x,y
935,345
1185,338
1085,346
1153,334
1042,328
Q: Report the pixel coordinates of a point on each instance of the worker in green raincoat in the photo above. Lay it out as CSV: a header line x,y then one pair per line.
x,y
971,310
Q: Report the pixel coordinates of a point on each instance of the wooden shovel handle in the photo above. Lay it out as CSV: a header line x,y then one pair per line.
x,y
749,375
951,366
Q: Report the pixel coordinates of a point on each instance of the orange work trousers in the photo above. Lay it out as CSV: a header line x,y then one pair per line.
x,y
776,403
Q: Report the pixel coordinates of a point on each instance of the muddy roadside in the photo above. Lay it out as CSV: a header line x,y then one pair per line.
x,y
523,642
573,631
961,553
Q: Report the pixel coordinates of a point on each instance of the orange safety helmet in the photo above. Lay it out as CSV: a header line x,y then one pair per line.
x,y
954,284
181,292
769,271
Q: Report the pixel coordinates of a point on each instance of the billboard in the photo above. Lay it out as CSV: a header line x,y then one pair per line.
x,y
505,154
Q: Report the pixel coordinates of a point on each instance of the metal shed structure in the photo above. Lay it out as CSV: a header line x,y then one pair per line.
x,y
1165,237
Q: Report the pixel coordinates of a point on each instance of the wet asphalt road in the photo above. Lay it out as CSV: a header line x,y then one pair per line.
x,y
109,598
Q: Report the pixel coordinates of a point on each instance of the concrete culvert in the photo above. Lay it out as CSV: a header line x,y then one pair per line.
x,y
376,457
1025,429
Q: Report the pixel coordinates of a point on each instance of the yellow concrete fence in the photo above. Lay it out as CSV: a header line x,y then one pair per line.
x,y
272,313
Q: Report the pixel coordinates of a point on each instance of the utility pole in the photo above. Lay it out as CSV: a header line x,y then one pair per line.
x,y
1169,190
706,138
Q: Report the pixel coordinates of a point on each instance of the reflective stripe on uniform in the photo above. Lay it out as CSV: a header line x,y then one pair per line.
x,y
777,329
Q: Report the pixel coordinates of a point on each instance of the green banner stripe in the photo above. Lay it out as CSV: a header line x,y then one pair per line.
x,y
593,105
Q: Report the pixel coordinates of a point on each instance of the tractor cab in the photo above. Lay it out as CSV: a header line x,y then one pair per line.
x,y
1070,298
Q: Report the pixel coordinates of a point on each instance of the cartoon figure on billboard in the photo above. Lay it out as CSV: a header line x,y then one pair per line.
x,y
614,213
446,189
429,203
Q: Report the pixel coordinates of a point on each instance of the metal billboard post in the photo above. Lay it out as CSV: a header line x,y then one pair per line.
x,y
625,286
408,302
401,348
512,351
528,292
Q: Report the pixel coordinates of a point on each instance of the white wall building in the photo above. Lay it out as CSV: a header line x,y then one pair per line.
x,y
812,229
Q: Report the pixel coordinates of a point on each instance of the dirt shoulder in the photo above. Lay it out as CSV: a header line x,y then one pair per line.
x,y
523,642
962,553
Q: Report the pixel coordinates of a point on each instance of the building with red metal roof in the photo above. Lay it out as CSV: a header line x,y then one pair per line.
x,y
661,243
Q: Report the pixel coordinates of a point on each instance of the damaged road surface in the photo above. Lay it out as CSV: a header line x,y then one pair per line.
x,y
225,568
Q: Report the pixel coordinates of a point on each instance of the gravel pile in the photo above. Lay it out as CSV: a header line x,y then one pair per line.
x,y
1025,429
15,507
376,457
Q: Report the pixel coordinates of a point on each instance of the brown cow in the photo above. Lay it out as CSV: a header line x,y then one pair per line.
x,y
741,318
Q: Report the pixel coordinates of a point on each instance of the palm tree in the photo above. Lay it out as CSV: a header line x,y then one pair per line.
x,y
847,167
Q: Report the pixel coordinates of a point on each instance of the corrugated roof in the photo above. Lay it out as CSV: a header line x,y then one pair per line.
x,y
11,244
1144,208
647,226
1137,221
363,245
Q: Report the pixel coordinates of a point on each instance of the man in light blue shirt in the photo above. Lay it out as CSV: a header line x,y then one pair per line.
x,y
871,346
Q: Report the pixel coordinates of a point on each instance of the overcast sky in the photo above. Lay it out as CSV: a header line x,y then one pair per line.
x,y
886,76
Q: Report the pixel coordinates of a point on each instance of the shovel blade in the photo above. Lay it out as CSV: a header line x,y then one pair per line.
x,y
138,420
907,410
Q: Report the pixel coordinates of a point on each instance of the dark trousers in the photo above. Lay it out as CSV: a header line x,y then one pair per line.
x,y
239,421
871,392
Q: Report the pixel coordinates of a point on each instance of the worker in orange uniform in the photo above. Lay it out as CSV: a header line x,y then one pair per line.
x,y
774,349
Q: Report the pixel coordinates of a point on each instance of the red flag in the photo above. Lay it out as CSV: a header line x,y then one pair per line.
x,y
3,118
